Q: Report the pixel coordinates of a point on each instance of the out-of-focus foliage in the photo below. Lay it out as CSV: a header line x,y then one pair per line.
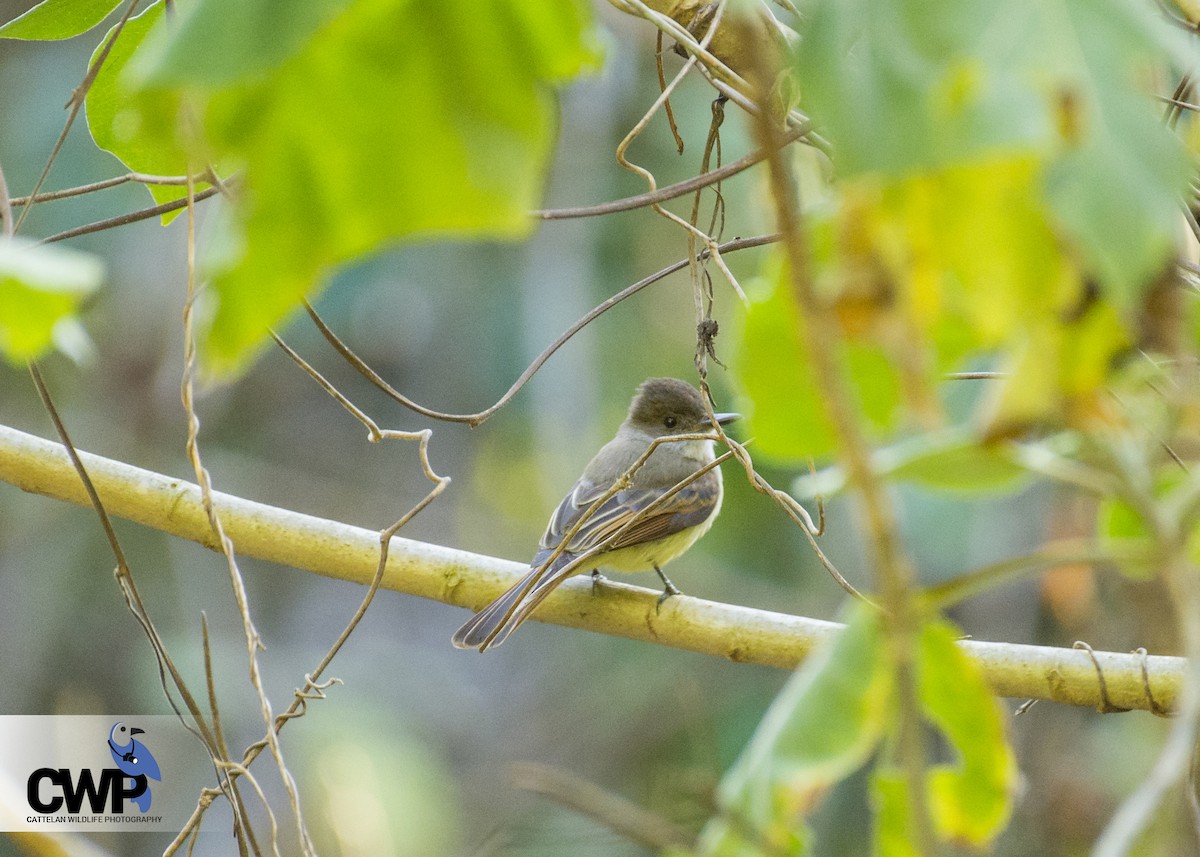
x,y
821,727
837,711
323,116
1005,188
40,290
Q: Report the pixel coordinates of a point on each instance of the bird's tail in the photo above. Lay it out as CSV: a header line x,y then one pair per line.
x,y
491,626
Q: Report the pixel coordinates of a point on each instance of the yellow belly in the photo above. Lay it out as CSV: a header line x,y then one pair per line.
x,y
645,556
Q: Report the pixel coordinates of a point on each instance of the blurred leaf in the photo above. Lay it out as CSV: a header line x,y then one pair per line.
x,y
947,460
936,75
1193,545
401,120
1059,83
894,836
971,243
40,287
970,802
1029,395
1115,183
58,19
1120,528
137,126
960,462
1023,159
823,725
214,42
1056,372
1125,532
1118,521
781,399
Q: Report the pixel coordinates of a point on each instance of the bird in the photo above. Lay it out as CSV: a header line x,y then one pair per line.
x,y
671,490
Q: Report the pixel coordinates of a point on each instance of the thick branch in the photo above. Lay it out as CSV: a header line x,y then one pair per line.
x,y
471,580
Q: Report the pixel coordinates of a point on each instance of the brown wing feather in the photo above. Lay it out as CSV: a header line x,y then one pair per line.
x,y
689,506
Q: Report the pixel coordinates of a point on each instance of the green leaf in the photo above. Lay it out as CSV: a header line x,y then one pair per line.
x,y
948,460
894,831
398,120
1056,371
40,288
823,725
58,19
970,802
936,75
1117,521
780,396
1115,183
215,42
138,126
956,82
975,247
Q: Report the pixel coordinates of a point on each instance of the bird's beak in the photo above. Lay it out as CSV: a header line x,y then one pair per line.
x,y
133,730
726,419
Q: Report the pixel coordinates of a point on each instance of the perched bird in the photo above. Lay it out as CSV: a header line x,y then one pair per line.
x,y
612,535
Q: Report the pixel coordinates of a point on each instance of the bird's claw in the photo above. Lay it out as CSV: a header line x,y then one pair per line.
x,y
597,580
669,589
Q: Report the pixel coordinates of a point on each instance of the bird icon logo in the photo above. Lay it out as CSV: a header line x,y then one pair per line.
x,y
133,759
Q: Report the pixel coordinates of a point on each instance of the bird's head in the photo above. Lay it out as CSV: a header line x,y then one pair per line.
x,y
666,406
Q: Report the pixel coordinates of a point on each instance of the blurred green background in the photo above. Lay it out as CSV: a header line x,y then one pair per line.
x,y
412,755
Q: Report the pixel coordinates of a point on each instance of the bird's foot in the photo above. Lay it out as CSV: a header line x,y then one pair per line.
x,y
669,589
597,580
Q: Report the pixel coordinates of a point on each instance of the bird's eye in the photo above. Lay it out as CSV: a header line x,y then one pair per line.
x,y
670,422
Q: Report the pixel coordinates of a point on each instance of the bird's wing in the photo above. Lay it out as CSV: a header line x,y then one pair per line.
x,y
687,507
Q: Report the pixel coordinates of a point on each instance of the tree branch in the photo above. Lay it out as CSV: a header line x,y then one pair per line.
x,y
472,580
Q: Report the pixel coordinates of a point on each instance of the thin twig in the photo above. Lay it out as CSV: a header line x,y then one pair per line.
x,y
237,584
662,85
478,417
634,132
669,192
131,217
133,598
105,184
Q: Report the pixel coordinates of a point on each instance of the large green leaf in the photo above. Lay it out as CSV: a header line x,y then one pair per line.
x,y
58,19
395,120
40,289
823,725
